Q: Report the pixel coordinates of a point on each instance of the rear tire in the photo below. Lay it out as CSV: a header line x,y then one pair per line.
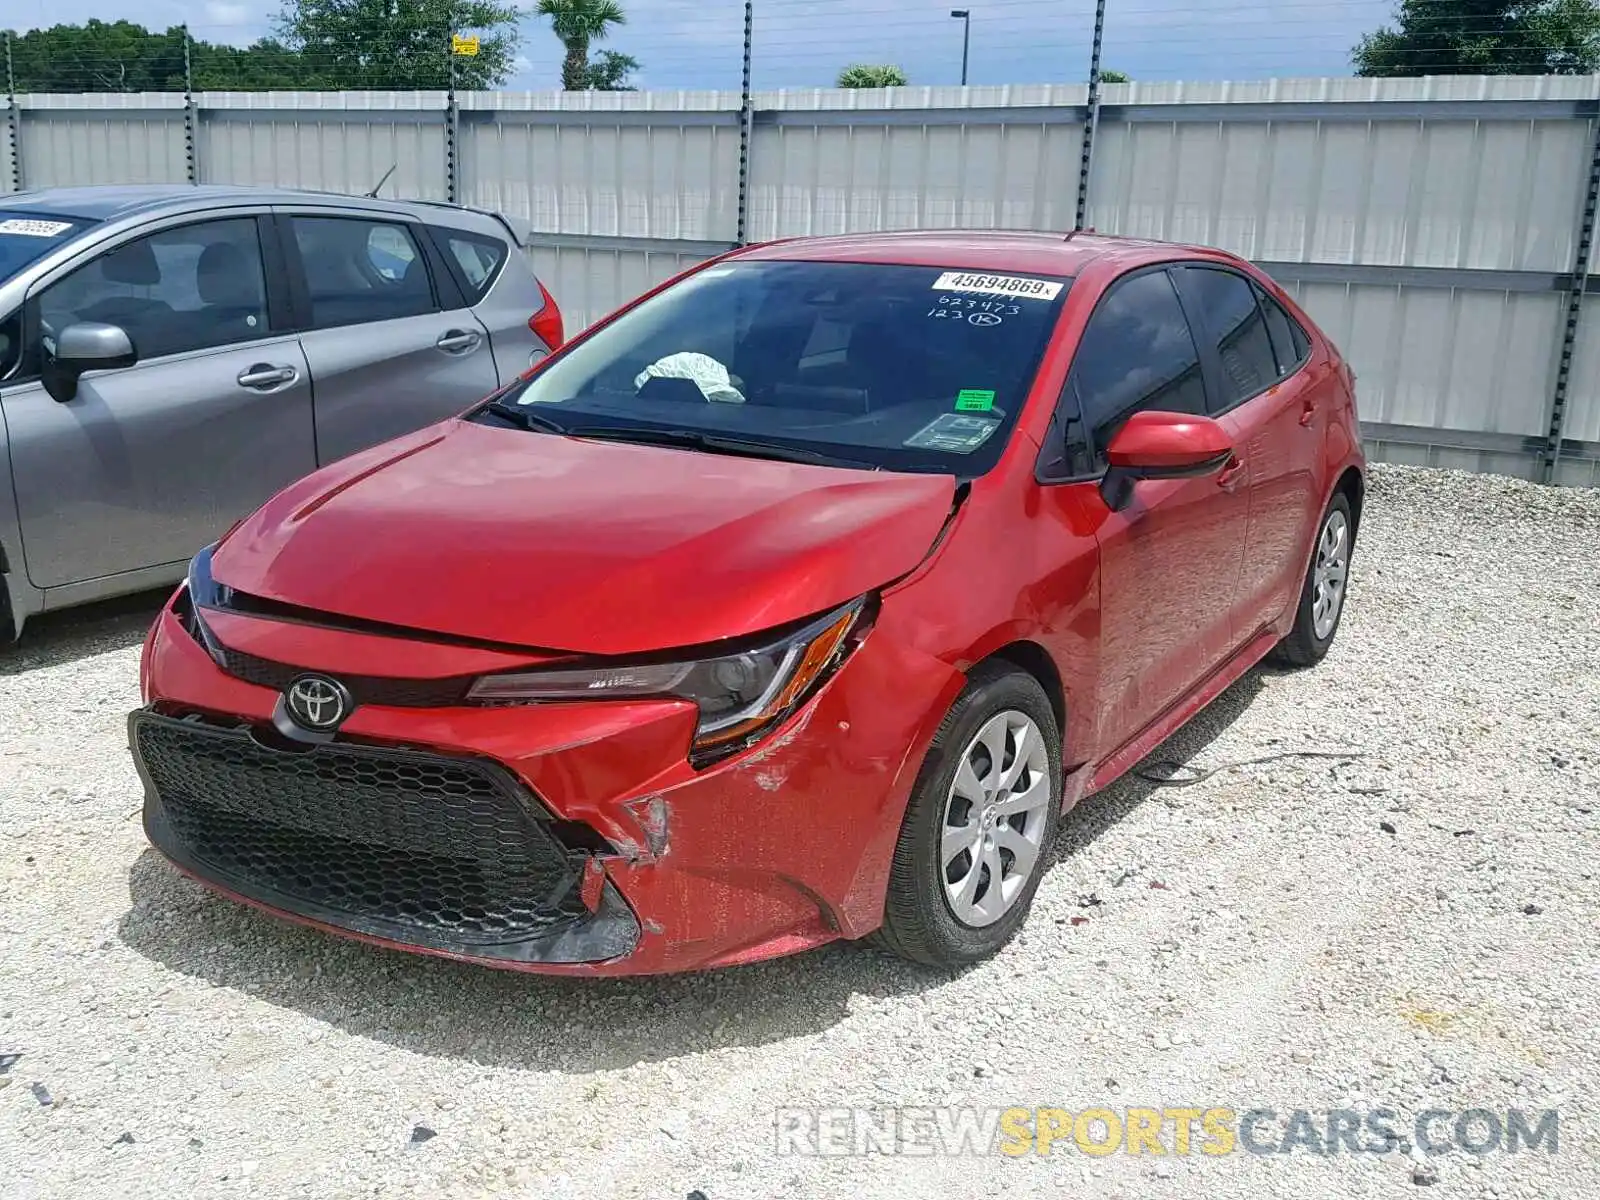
x,y
956,896
1322,597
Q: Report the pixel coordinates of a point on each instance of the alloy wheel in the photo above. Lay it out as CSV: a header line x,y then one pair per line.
x,y
1329,573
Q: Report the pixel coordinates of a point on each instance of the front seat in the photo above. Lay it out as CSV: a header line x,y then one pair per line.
x,y
230,295
147,320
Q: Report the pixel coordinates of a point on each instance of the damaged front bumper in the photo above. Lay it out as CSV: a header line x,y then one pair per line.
x,y
565,838
446,854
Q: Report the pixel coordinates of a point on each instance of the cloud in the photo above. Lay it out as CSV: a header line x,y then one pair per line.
x,y
224,12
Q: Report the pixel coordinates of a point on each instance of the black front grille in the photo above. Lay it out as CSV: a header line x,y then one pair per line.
x,y
419,847
365,689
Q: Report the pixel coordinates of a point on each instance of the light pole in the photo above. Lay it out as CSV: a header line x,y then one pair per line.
x,y
965,16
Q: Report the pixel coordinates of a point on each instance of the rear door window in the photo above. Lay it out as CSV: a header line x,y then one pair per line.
x,y
1289,341
1234,324
359,270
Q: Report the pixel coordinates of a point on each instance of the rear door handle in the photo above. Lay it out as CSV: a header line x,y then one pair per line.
x,y
456,341
1308,410
1232,471
265,376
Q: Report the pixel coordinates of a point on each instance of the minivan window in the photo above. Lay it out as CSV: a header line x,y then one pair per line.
x,y
10,344
25,237
1235,326
477,260
1137,353
899,367
360,270
187,288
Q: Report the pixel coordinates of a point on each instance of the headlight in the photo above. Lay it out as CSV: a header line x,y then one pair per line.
x,y
740,696
201,591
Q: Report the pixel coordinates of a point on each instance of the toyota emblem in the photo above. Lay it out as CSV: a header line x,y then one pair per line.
x,y
318,703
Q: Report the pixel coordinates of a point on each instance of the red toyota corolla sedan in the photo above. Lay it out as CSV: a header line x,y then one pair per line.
x,y
796,601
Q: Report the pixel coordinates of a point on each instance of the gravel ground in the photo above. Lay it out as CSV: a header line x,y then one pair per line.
x,y
1416,928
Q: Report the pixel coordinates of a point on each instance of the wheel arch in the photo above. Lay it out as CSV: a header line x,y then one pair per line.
x,y
1033,659
9,630
1353,487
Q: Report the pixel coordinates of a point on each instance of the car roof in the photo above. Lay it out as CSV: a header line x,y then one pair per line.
x,y
112,202
975,250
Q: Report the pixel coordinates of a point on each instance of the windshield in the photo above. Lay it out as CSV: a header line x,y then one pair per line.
x,y
26,236
900,367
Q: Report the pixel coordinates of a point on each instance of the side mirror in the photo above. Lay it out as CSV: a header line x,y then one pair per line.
x,y
1162,445
84,346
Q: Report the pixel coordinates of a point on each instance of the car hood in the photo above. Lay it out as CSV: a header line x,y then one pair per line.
x,y
588,547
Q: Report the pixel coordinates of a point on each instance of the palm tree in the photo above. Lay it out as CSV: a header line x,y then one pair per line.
x,y
577,23
869,75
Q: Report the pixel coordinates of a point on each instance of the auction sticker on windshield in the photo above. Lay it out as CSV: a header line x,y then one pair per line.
x,y
26,228
998,285
954,433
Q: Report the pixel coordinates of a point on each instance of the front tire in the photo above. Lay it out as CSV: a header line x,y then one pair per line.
x,y
1322,597
980,820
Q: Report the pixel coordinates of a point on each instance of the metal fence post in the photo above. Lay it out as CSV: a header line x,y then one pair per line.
x,y
1580,284
13,120
745,118
452,189
1091,118
191,160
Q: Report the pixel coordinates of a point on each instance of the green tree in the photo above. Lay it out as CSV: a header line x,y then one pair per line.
x,y
867,75
98,57
578,24
398,43
1114,77
609,71
1484,37
120,56
266,65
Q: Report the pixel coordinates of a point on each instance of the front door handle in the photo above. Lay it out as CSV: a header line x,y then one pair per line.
x,y
458,341
1232,472
265,376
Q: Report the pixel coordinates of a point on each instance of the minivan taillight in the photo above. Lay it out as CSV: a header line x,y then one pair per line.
x,y
546,323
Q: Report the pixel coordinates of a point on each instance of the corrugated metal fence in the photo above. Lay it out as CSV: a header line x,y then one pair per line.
x,y
1441,230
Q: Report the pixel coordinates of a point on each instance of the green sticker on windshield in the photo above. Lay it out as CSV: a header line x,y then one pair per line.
x,y
974,400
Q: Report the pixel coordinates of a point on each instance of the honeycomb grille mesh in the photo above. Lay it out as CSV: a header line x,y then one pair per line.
x,y
401,838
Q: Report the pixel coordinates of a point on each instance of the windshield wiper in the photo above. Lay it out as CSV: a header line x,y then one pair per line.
x,y
716,443
525,417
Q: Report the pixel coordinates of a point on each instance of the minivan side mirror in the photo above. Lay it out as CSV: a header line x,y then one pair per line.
x,y
1162,445
84,346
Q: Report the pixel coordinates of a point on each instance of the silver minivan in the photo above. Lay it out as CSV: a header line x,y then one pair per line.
x,y
171,356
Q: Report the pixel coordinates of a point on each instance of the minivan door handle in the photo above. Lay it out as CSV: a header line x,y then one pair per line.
x,y
458,341
264,377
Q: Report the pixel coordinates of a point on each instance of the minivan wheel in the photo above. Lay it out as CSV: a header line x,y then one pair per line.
x,y
1322,597
980,819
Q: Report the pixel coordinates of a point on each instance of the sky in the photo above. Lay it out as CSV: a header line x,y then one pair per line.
x,y
804,43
